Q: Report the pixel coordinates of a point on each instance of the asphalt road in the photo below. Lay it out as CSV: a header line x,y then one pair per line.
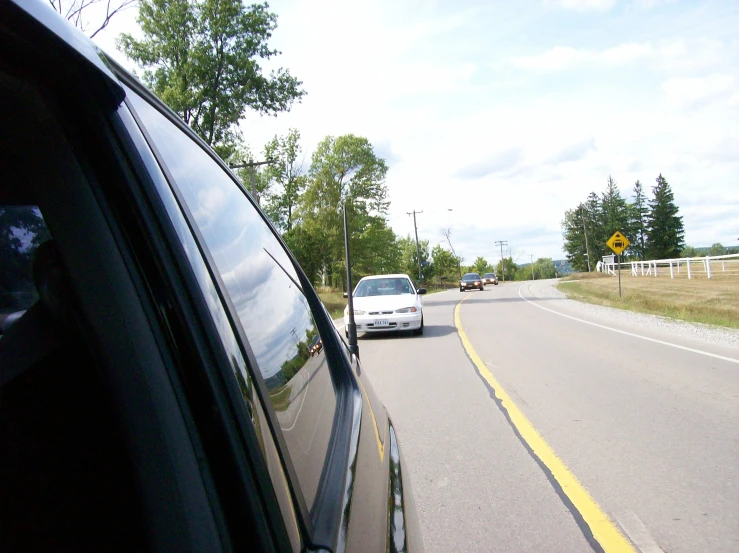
x,y
649,431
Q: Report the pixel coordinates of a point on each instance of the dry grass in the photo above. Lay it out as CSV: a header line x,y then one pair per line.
x,y
714,301
333,300
585,276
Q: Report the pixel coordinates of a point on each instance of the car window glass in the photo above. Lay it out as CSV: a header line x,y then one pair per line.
x,y
394,286
22,230
264,289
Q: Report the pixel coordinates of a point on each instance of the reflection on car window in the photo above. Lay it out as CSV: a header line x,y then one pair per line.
x,y
383,287
264,289
22,230
471,276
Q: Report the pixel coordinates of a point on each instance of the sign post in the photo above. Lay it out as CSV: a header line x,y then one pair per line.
x,y
618,243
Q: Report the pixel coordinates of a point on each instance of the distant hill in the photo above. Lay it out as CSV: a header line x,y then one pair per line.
x,y
563,266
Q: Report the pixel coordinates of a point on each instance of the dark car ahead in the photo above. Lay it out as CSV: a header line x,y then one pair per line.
x,y
470,281
490,278
169,379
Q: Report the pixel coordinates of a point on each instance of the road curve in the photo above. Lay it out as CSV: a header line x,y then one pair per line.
x,y
649,430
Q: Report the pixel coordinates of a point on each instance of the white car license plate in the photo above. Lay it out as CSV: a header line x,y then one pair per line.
x,y
382,322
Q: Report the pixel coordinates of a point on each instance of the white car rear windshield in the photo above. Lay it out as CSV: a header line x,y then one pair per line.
x,y
383,287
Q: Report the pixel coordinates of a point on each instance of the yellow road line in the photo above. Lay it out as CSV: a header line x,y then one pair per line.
x,y
603,529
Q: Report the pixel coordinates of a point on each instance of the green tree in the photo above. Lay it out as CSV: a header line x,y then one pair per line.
x,y
343,170
717,249
637,227
544,268
481,265
665,227
306,243
596,229
375,250
689,251
445,263
615,212
202,58
507,268
574,238
409,257
286,179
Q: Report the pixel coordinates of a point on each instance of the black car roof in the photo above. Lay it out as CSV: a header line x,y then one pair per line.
x,y
64,35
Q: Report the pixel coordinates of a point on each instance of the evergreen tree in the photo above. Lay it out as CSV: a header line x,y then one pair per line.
x,y
665,232
595,229
573,233
638,211
614,209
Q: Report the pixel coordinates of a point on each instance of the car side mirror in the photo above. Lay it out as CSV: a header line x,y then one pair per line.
x,y
421,290
346,294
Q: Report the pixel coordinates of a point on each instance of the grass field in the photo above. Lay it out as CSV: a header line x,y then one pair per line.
x,y
714,301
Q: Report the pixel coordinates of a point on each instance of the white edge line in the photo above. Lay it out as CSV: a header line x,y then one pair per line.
x,y
685,348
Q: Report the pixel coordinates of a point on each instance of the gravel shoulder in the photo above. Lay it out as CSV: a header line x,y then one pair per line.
x,y
671,328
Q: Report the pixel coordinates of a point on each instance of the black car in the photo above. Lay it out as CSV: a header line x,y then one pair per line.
x,y
470,281
490,278
169,379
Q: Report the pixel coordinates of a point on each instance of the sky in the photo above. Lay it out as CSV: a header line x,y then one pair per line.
x,y
509,113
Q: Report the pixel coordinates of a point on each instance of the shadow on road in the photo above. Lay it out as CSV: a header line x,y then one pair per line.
x,y
429,331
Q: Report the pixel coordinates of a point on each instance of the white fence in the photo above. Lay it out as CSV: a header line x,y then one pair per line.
x,y
710,266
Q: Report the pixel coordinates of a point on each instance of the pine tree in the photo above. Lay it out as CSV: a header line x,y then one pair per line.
x,y
638,211
573,232
596,229
615,210
665,232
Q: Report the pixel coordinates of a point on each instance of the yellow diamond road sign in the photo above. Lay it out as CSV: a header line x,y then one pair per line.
x,y
618,242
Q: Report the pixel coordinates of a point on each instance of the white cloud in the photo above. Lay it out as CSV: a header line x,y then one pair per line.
x,y
582,5
561,58
693,92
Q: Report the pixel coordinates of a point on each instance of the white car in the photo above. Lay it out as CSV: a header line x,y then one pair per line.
x,y
385,303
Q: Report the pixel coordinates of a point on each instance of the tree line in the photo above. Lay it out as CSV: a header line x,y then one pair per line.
x,y
652,225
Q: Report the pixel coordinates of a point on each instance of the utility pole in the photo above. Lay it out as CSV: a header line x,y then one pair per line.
x,y
533,277
418,248
502,243
251,165
585,229
447,232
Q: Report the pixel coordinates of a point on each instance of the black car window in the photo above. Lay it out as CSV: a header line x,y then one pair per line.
x,y
22,230
264,290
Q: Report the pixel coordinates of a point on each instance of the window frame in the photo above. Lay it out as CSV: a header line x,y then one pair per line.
x,y
326,523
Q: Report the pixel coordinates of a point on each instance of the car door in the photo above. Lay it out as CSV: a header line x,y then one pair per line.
x,y
311,404
199,320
